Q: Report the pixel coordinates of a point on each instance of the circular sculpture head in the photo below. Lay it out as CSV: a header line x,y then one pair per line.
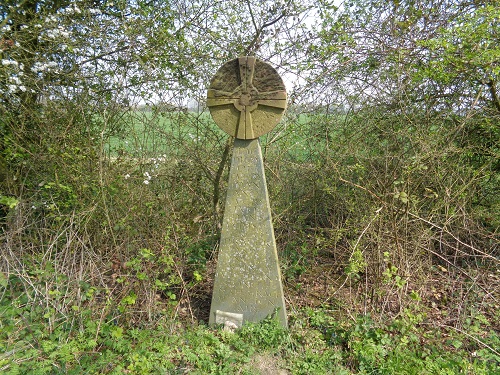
x,y
246,98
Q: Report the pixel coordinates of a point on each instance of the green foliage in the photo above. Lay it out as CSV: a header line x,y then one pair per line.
x,y
356,264
467,49
366,347
383,177
267,335
10,202
317,343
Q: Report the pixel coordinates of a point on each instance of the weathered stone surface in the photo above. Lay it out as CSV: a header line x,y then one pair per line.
x,y
248,279
246,98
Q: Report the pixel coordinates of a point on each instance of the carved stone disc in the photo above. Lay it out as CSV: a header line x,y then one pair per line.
x,y
246,98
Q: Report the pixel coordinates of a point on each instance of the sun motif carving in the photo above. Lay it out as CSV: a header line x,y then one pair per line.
x,y
246,98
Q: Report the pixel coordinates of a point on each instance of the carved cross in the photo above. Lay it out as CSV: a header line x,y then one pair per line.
x,y
259,94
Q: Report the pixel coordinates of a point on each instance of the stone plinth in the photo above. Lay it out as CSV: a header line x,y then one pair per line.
x,y
248,279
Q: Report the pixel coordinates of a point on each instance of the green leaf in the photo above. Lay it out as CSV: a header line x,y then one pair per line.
x,y
10,202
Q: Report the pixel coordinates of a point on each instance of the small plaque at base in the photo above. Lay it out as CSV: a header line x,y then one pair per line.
x,y
229,320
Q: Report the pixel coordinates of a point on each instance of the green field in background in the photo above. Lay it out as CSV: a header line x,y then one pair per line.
x,y
144,134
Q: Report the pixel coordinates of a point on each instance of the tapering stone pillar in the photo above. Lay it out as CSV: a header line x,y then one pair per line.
x,y
247,99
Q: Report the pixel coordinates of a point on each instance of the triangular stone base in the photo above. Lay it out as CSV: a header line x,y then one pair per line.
x,y
248,279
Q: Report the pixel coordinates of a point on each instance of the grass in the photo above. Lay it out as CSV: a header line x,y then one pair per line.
x,y
316,343
36,337
148,133
110,272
